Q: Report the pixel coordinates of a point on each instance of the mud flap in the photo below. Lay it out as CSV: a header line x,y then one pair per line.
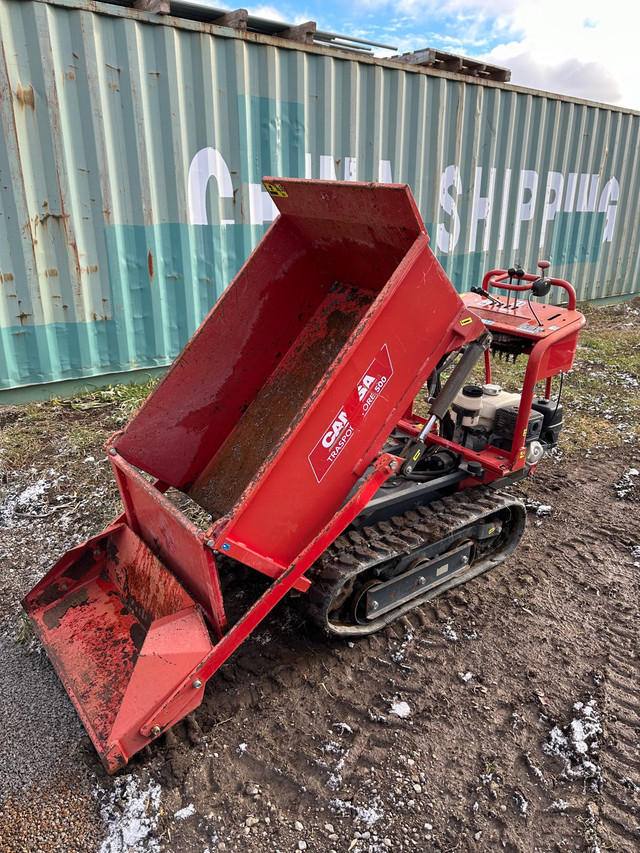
x,y
122,634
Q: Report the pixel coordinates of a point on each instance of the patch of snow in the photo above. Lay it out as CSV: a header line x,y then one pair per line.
x,y
537,772
591,831
626,379
368,815
335,777
187,811
449,634
23,501
262,639
400,709
576,744
543,510
345,727
466,677
627,483
630,784
242,748
130,814
398,655
491,781
559,806
521,802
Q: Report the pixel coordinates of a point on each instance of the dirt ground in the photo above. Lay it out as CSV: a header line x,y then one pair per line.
x,y
504,715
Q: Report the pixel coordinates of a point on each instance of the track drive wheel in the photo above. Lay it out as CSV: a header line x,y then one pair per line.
x,y
369,577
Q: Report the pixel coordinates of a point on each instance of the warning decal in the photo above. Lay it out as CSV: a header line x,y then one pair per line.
x,y
276,190
357,406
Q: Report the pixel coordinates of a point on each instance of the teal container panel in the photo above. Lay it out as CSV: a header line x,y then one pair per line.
x,y
133,145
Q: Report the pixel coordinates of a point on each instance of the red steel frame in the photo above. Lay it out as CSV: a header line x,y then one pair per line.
x,y
550,349
274,414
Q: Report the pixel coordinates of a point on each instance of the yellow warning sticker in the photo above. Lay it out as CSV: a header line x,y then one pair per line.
x,y
276,189
466,321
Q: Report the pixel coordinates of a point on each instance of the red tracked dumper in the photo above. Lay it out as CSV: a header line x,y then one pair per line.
x,y
289,419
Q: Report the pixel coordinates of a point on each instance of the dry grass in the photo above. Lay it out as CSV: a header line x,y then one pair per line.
x,y
72,426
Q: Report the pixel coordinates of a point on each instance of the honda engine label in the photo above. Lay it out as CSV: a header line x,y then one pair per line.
x,y
357,406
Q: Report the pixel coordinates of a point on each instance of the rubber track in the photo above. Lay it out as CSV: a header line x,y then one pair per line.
x,y
355,551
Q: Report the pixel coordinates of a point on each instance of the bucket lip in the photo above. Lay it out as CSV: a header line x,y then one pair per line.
x,y
124,738
118,530
33,605
168,650
30,600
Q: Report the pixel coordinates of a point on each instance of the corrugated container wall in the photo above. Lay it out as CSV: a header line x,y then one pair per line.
x,y
132,151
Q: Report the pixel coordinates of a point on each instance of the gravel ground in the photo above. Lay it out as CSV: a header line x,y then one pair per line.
x,y
47,793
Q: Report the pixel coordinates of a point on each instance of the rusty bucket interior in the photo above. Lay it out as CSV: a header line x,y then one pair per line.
x,y
118,627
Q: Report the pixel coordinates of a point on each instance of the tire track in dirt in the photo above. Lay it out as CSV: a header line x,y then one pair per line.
x,y
593,597
597,560
620,762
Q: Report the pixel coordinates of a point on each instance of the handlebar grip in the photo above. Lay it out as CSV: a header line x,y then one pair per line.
x,y
495,278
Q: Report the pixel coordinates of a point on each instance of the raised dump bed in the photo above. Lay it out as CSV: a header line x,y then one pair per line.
x,y
343,296
273,420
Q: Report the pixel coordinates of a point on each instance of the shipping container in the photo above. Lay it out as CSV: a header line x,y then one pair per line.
x,y
133,145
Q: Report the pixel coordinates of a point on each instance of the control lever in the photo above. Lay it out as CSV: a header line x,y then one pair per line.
x,y
511,271
542,285
482,292
519,273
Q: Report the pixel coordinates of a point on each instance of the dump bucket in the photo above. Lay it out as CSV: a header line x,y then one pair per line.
x,y
122,632
273,420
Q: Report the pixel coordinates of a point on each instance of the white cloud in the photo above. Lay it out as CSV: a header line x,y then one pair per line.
x,y
274,13
269,13
591,81
421,7
578,47
584,48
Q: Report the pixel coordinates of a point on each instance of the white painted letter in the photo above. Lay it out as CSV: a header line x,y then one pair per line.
x,y
552,201
524,209
505,208
587,193
593,192
350,164
450,179
384,172
261,206
570,197
327,168
208,163
482,208
610,193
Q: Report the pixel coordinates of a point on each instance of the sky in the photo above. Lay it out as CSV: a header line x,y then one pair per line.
x,y
582,48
